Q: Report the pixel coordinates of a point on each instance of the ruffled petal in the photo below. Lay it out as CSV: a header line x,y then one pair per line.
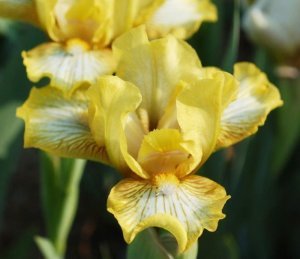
x,y
126,14
59,125
112,101
198,109
64,20
68,66
180,17
185,208
256,97
156,70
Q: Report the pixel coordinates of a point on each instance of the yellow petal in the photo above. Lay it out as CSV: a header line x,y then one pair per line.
x,y
198,114
59,125
184,208
112,100
169,117
81,18
230,83
161,152
256,97
156,68
64,20
46,16
67,66
129,40
180,17
126,14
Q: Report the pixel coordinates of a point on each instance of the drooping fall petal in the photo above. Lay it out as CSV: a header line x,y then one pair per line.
x,y
68,66
59,125
183,207
256,97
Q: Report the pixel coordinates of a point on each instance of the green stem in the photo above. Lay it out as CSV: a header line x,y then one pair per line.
x,y
60,191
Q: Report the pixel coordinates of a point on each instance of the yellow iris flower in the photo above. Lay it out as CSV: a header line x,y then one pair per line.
x,y
83,31
157,121
266,23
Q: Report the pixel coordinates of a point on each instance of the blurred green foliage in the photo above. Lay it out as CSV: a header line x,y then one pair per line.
x,y
262,174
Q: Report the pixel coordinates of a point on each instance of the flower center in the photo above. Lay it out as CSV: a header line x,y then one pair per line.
x,y
77,46
166,183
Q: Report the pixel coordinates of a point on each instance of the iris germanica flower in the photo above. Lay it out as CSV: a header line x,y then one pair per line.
x,y
83,30
157,121
274,24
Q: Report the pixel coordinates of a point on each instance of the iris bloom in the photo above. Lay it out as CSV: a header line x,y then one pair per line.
x,y
157,122
83,31
274,24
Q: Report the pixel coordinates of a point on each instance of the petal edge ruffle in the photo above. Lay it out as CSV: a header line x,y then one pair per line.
x,y
59,125
67,66
184,210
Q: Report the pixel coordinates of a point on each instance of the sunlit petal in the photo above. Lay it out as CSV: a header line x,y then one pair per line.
x,y
162,152
198,114
180,17
64,20
112,100
59,125
185,207
255,99
126,14
67,66
156,71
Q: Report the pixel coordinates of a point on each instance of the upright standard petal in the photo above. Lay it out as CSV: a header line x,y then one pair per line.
x,y
64,20
126,14
256,97
183,207
112,101
198,113
156,70
68,66
59,125
180,17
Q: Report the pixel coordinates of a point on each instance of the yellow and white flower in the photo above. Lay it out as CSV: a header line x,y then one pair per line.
x,y
83,31
157,121
274,24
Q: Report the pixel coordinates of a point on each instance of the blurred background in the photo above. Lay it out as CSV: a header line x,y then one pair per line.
x,y
262,174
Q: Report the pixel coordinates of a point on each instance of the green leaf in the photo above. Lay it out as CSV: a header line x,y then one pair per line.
x,y
147,245
288,124
47,248
10,126
158,244
191,253
232,49
170,243
60,191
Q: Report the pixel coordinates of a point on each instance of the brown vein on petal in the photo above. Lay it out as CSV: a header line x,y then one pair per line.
x,y
145,205
183,212
155,198
174,207
170,205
